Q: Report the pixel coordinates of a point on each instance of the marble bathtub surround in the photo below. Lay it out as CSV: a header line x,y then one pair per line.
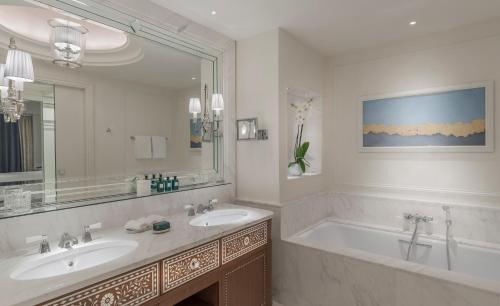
x,y
470,221
112,215
150,248
306,275
309,276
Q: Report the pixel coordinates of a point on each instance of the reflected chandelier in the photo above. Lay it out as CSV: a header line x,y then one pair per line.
x,y
17,70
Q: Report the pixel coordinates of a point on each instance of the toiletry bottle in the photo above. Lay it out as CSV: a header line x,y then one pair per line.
x,y
175,183
153,183
160,184
168,186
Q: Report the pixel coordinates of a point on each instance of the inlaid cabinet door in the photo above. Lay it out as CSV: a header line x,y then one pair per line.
x,y
245,281
186,266
132,288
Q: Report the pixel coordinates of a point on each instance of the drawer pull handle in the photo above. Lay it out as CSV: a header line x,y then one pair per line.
x,y
194,264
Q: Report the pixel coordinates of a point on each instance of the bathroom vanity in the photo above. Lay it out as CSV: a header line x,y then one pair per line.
x,y
225,264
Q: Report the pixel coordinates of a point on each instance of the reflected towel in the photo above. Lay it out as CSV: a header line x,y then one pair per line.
x,y
159,147
143,147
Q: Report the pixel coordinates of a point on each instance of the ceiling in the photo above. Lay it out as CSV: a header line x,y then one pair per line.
x,y
21,20
161,66
336,26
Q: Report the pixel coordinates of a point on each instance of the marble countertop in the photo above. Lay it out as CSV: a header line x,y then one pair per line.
x,y
151,247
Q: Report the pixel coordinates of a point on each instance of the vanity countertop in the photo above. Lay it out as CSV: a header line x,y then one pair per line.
x,y
151,247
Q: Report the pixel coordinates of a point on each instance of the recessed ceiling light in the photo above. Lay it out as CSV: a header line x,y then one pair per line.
x,y
214,12
412,23
193,78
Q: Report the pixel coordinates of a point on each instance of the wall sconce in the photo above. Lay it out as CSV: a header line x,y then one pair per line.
x,y
217,103
247,129
194,106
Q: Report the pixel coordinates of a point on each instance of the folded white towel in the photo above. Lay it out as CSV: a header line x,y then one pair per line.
x,y
136,225
154,218
143,147
143,224
159,144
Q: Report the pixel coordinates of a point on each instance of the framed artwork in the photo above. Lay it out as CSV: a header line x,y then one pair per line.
x,y
195,134
451,119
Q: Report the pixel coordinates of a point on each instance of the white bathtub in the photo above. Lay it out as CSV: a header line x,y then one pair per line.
x,y
467,258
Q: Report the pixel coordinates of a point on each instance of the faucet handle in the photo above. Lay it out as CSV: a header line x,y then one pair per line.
x,y
44,243
36,238
94,226
190,210
86,236
212,203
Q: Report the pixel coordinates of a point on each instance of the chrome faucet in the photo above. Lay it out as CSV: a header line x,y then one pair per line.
x,y
417,219
67,241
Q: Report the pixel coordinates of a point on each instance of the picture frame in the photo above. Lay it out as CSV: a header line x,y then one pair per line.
x,y
195,134
428,120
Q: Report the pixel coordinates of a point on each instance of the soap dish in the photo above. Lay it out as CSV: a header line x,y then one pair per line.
x,y
161,227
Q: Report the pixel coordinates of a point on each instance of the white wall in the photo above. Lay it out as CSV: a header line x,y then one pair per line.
x,y
257,95
460,63
302,68
126,109
267,64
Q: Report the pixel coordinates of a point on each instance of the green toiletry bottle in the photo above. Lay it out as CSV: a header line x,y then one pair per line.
x,y
168,184
160,184
175,183
153,182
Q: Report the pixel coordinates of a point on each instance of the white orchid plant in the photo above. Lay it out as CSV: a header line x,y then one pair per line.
x,y
302,110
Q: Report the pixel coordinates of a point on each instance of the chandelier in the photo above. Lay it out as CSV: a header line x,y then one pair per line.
x,y
67,42
17,70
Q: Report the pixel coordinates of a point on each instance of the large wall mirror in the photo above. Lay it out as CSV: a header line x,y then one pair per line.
x,y
88,109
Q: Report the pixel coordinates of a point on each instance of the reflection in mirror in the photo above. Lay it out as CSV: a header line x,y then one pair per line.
x,y
87,110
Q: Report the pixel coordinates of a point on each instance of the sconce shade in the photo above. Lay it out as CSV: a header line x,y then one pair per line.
x,y
217,102
194,105
19,66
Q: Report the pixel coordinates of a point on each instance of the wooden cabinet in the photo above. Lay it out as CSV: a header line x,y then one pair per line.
x,y
232,271
246,281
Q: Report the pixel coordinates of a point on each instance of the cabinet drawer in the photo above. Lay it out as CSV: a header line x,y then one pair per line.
x,y
243,242
182,268
133,288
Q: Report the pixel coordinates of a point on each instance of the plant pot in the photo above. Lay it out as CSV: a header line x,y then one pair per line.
x,y
294,170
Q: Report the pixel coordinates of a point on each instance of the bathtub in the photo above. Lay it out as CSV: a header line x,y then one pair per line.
x,y
473,259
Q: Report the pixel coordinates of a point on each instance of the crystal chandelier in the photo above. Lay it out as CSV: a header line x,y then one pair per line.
x,y
67,42
17,70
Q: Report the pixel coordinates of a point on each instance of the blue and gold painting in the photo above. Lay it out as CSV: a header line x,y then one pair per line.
x,y
452,118
195,133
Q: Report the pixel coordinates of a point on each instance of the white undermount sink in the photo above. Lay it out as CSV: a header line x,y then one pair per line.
x,y
82,256
220,217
